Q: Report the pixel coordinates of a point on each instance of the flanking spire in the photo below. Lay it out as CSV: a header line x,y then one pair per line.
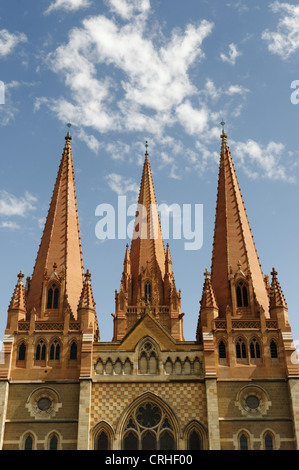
x,y
59,259
234,252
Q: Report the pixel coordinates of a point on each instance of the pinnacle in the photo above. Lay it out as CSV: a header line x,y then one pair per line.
x,y
18,300
86,298
276,295
208,299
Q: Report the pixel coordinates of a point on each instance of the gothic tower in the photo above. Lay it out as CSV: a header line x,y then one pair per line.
x,y
51,322
243,322
147,282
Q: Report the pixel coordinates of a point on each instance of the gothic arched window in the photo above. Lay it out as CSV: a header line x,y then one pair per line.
x,y
28,444
268,441
241,349
148,427
194,441
40,352
22,352
242,295
222,350
73,351
102,441
148,359
53,296
53,443
273,349
147,291
255,350
55,351
243,442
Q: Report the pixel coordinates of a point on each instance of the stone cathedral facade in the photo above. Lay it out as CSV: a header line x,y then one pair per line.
x,y
235,386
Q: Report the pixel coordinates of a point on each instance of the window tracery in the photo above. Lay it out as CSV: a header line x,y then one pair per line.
x,y
148,358
149,427
53,296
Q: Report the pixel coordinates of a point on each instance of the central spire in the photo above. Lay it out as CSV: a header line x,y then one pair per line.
x,y
60,255
147,283
147,247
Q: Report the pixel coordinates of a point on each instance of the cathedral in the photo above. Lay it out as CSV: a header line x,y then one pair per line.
x,y
234,387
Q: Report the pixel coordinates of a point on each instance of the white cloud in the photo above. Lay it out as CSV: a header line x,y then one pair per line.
x,y
285,40
210,90
122,185
10,225
195,121
68,5
10,205
127,8
154,75
90,140
233,53
9,41
262,161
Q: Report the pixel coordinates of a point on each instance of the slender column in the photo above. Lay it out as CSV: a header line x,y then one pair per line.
x,y
294,394
84,415
4,388
213,415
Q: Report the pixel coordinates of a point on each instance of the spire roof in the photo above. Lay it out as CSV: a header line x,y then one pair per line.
x,y
233,249
208,297
86,299
276,295
147,247
61,243
18,300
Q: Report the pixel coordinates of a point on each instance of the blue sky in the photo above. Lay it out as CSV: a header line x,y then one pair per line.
x,y
126,71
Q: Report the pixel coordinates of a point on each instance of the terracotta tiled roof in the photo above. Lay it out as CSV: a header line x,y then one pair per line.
x,y
233,246
147,249
60,244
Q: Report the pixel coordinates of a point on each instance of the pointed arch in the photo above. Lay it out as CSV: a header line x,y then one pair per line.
x,y
241,348
102,436
28,441
148,356
54,351
273,349
22,347
73,350
255,348
53,294
146,419
41,351
242,293
195,436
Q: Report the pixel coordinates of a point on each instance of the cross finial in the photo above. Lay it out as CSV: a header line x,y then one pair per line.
x,y
222,124
69,125
207,274
274,273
